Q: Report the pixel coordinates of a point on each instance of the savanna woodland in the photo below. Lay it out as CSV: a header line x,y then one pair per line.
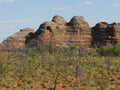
x,y
62,55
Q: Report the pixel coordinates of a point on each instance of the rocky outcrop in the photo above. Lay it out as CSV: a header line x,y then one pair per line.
x,y
15,42
105,34
62,33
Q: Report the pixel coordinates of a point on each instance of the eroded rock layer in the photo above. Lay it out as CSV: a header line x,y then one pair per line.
x,y
16,42
62,33
105,34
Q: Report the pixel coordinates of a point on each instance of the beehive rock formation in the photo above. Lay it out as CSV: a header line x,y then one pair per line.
x,y
16,42
62,33
105,34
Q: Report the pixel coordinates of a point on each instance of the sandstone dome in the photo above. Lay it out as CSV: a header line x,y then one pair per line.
x,y
59,20
77,22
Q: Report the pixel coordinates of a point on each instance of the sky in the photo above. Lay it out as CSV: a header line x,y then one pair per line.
x,y
18,14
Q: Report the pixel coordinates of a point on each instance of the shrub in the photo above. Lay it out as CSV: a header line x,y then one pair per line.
x,y
109,51
116,49
51,48
106,51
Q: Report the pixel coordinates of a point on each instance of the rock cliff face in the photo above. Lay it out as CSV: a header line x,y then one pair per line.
x,y
15,42
62,33
105,34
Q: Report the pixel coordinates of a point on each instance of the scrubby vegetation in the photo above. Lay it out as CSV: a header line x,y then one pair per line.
x,y
109,51
70,68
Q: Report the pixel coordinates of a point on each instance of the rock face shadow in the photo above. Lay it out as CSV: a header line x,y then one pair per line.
x,y
105,34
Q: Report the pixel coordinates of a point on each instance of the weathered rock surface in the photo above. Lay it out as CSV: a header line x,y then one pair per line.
x,y
105,34
62,33
15,42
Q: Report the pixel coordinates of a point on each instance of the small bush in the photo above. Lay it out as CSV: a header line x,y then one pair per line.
x,y
106,51
109,51
51,48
